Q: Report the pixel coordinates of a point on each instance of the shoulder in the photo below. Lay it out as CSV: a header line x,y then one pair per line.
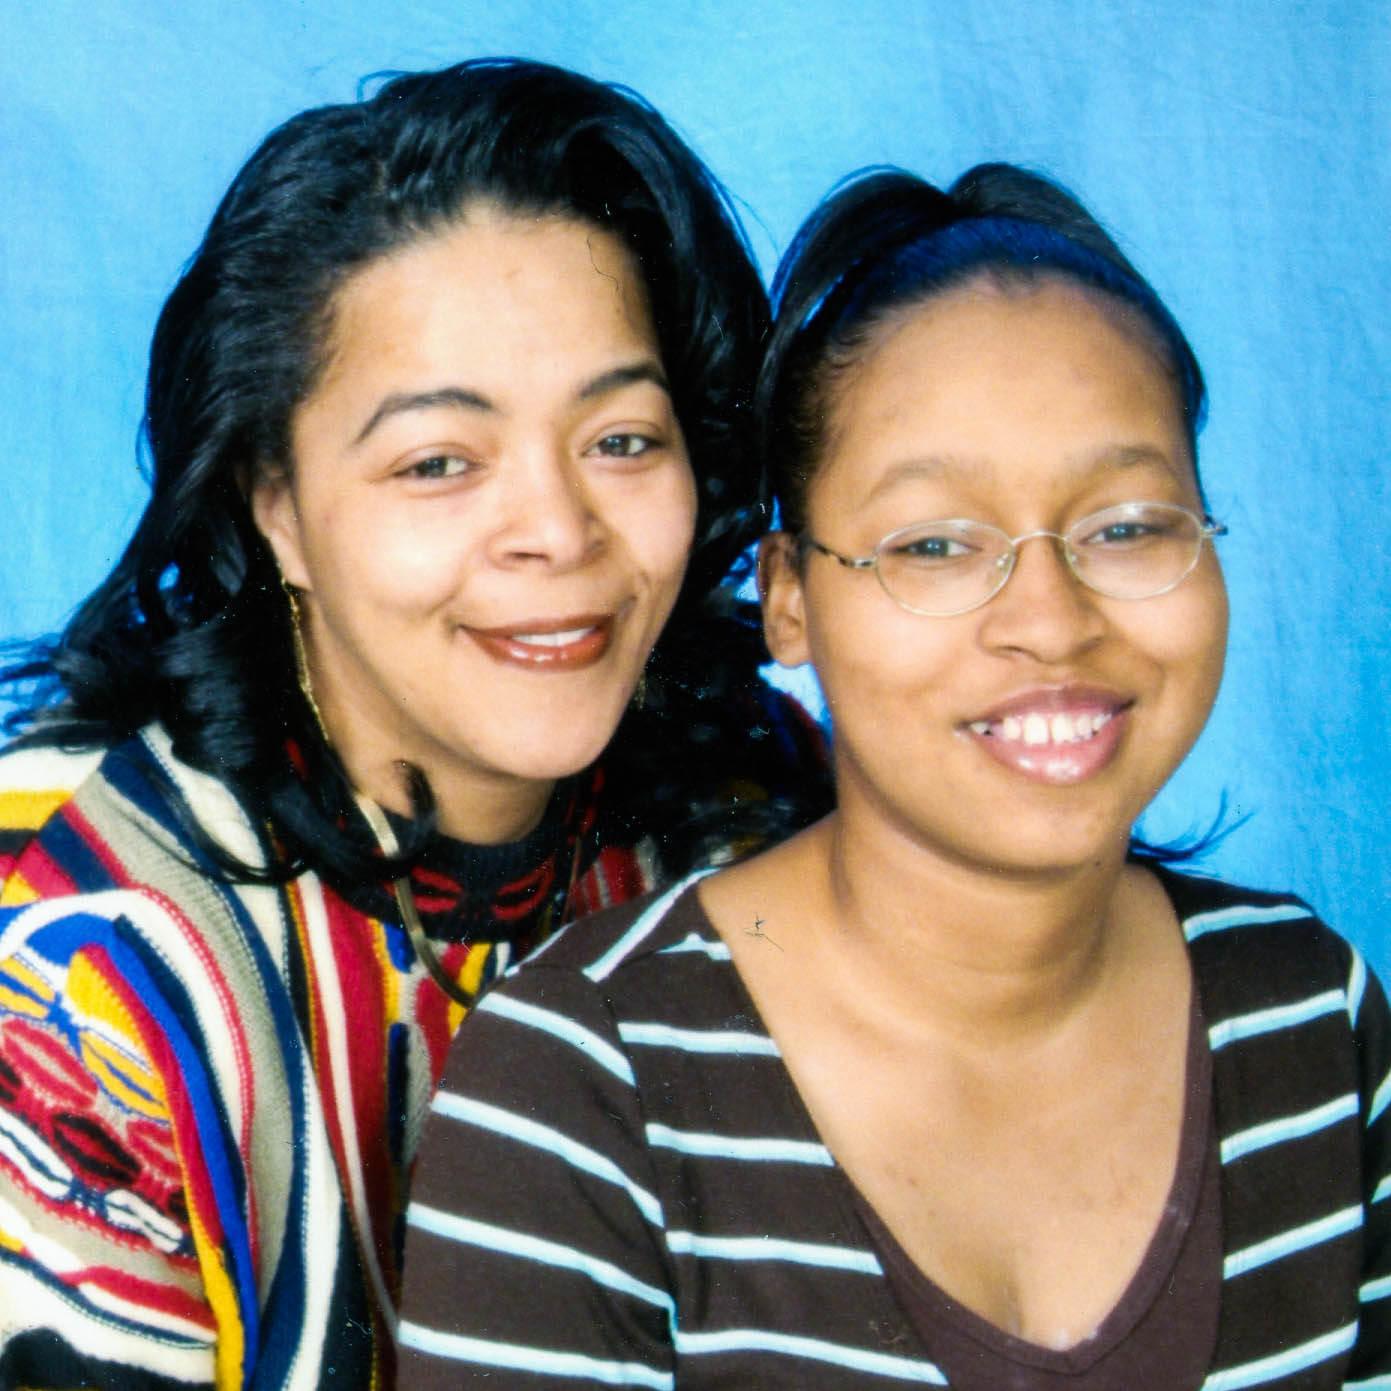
x,y
650,959
74,817
1255,952
616,942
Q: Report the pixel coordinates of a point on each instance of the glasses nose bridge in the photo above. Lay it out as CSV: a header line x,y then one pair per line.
x,y
1009,561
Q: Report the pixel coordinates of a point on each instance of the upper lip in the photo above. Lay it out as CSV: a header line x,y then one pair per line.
x,y
525,626
1067,699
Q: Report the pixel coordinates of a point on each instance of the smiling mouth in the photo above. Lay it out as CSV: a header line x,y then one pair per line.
x,y
1053,742
1037,729
569,644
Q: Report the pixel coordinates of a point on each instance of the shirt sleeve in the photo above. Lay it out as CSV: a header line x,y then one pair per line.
x,y
534,1251
1371,1358
104,1103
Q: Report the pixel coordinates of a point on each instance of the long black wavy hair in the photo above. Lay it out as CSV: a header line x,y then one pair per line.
x,y
191,628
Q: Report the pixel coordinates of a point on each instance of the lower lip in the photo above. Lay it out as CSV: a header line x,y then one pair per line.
x,y
1056,765
582,652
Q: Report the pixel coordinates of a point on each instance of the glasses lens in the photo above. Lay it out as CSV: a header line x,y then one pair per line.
x,y
943,568
1136,550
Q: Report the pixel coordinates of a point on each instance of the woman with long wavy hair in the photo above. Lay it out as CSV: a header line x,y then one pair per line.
x,y
445,426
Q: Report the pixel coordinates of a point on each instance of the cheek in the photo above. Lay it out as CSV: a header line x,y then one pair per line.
x,y
658,526
382,557
1190,643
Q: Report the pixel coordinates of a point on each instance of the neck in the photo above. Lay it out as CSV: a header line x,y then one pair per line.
x,y
468,808
998,953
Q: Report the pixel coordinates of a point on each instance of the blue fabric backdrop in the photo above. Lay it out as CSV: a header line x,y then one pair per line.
x,y
1240,149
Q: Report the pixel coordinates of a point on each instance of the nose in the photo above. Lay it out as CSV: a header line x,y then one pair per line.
x,y
1044,611
548,517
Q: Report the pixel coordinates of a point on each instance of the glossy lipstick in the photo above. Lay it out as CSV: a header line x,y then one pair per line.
x,y
552,644
1059,737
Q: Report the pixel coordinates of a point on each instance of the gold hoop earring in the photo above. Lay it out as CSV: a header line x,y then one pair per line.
x,y
306,685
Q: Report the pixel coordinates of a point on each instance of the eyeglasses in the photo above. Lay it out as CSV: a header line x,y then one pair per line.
x,y
1135,550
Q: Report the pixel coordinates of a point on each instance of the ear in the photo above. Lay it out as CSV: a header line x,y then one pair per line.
x,y
780,590
277,519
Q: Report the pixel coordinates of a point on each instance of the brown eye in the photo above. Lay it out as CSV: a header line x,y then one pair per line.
x,y
624,446
438,466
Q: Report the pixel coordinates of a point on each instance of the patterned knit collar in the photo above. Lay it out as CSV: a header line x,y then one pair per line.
x,y
512,893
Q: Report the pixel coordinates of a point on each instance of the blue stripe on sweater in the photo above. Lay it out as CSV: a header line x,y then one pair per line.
x,y
1266,1021
699,1040
767,1248
542,1361
1289,1243
740,1147
1242,915
836,1354
1287,1363
1277,1132
537,1250
645,924
562,1027
524,1131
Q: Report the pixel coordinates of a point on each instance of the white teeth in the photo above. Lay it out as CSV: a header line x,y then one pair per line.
x,y
1037,729
551,639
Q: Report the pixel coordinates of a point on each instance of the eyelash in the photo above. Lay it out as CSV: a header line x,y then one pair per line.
x,y
424,468
627,437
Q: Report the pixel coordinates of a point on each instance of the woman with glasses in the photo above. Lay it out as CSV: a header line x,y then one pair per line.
x,y
960,1086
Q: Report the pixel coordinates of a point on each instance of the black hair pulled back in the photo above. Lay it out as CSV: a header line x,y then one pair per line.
x,y
885,240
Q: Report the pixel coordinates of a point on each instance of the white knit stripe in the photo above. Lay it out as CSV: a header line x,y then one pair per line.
x,y
740,1147
467,1232
1287,1363
1383,1190
561,1027
329,985
694,942
1380,1099
1357,985
1267,1021
1241,915
767,1248
645,924
738,1043
525,1131
1277,1132
542,1361
1376,1383
1374,1290
814,1349
33,1301
1288,1243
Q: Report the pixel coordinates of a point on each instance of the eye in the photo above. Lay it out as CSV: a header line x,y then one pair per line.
x,y
1133,530
623,445
930,548
438,466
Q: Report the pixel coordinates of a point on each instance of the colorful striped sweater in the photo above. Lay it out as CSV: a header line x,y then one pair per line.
x,y
654,1207
210,1093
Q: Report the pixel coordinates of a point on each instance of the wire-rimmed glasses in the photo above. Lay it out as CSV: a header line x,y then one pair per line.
x,y
1134,550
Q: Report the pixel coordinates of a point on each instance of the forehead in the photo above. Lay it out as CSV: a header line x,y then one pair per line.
x,y
1003,383
490,283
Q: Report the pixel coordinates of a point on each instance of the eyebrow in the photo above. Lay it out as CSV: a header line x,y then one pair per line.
x,y
461,398
937,466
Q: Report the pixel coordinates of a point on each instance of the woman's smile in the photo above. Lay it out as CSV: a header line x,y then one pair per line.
x,y
1033,729
546,645
1060,736
489,514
